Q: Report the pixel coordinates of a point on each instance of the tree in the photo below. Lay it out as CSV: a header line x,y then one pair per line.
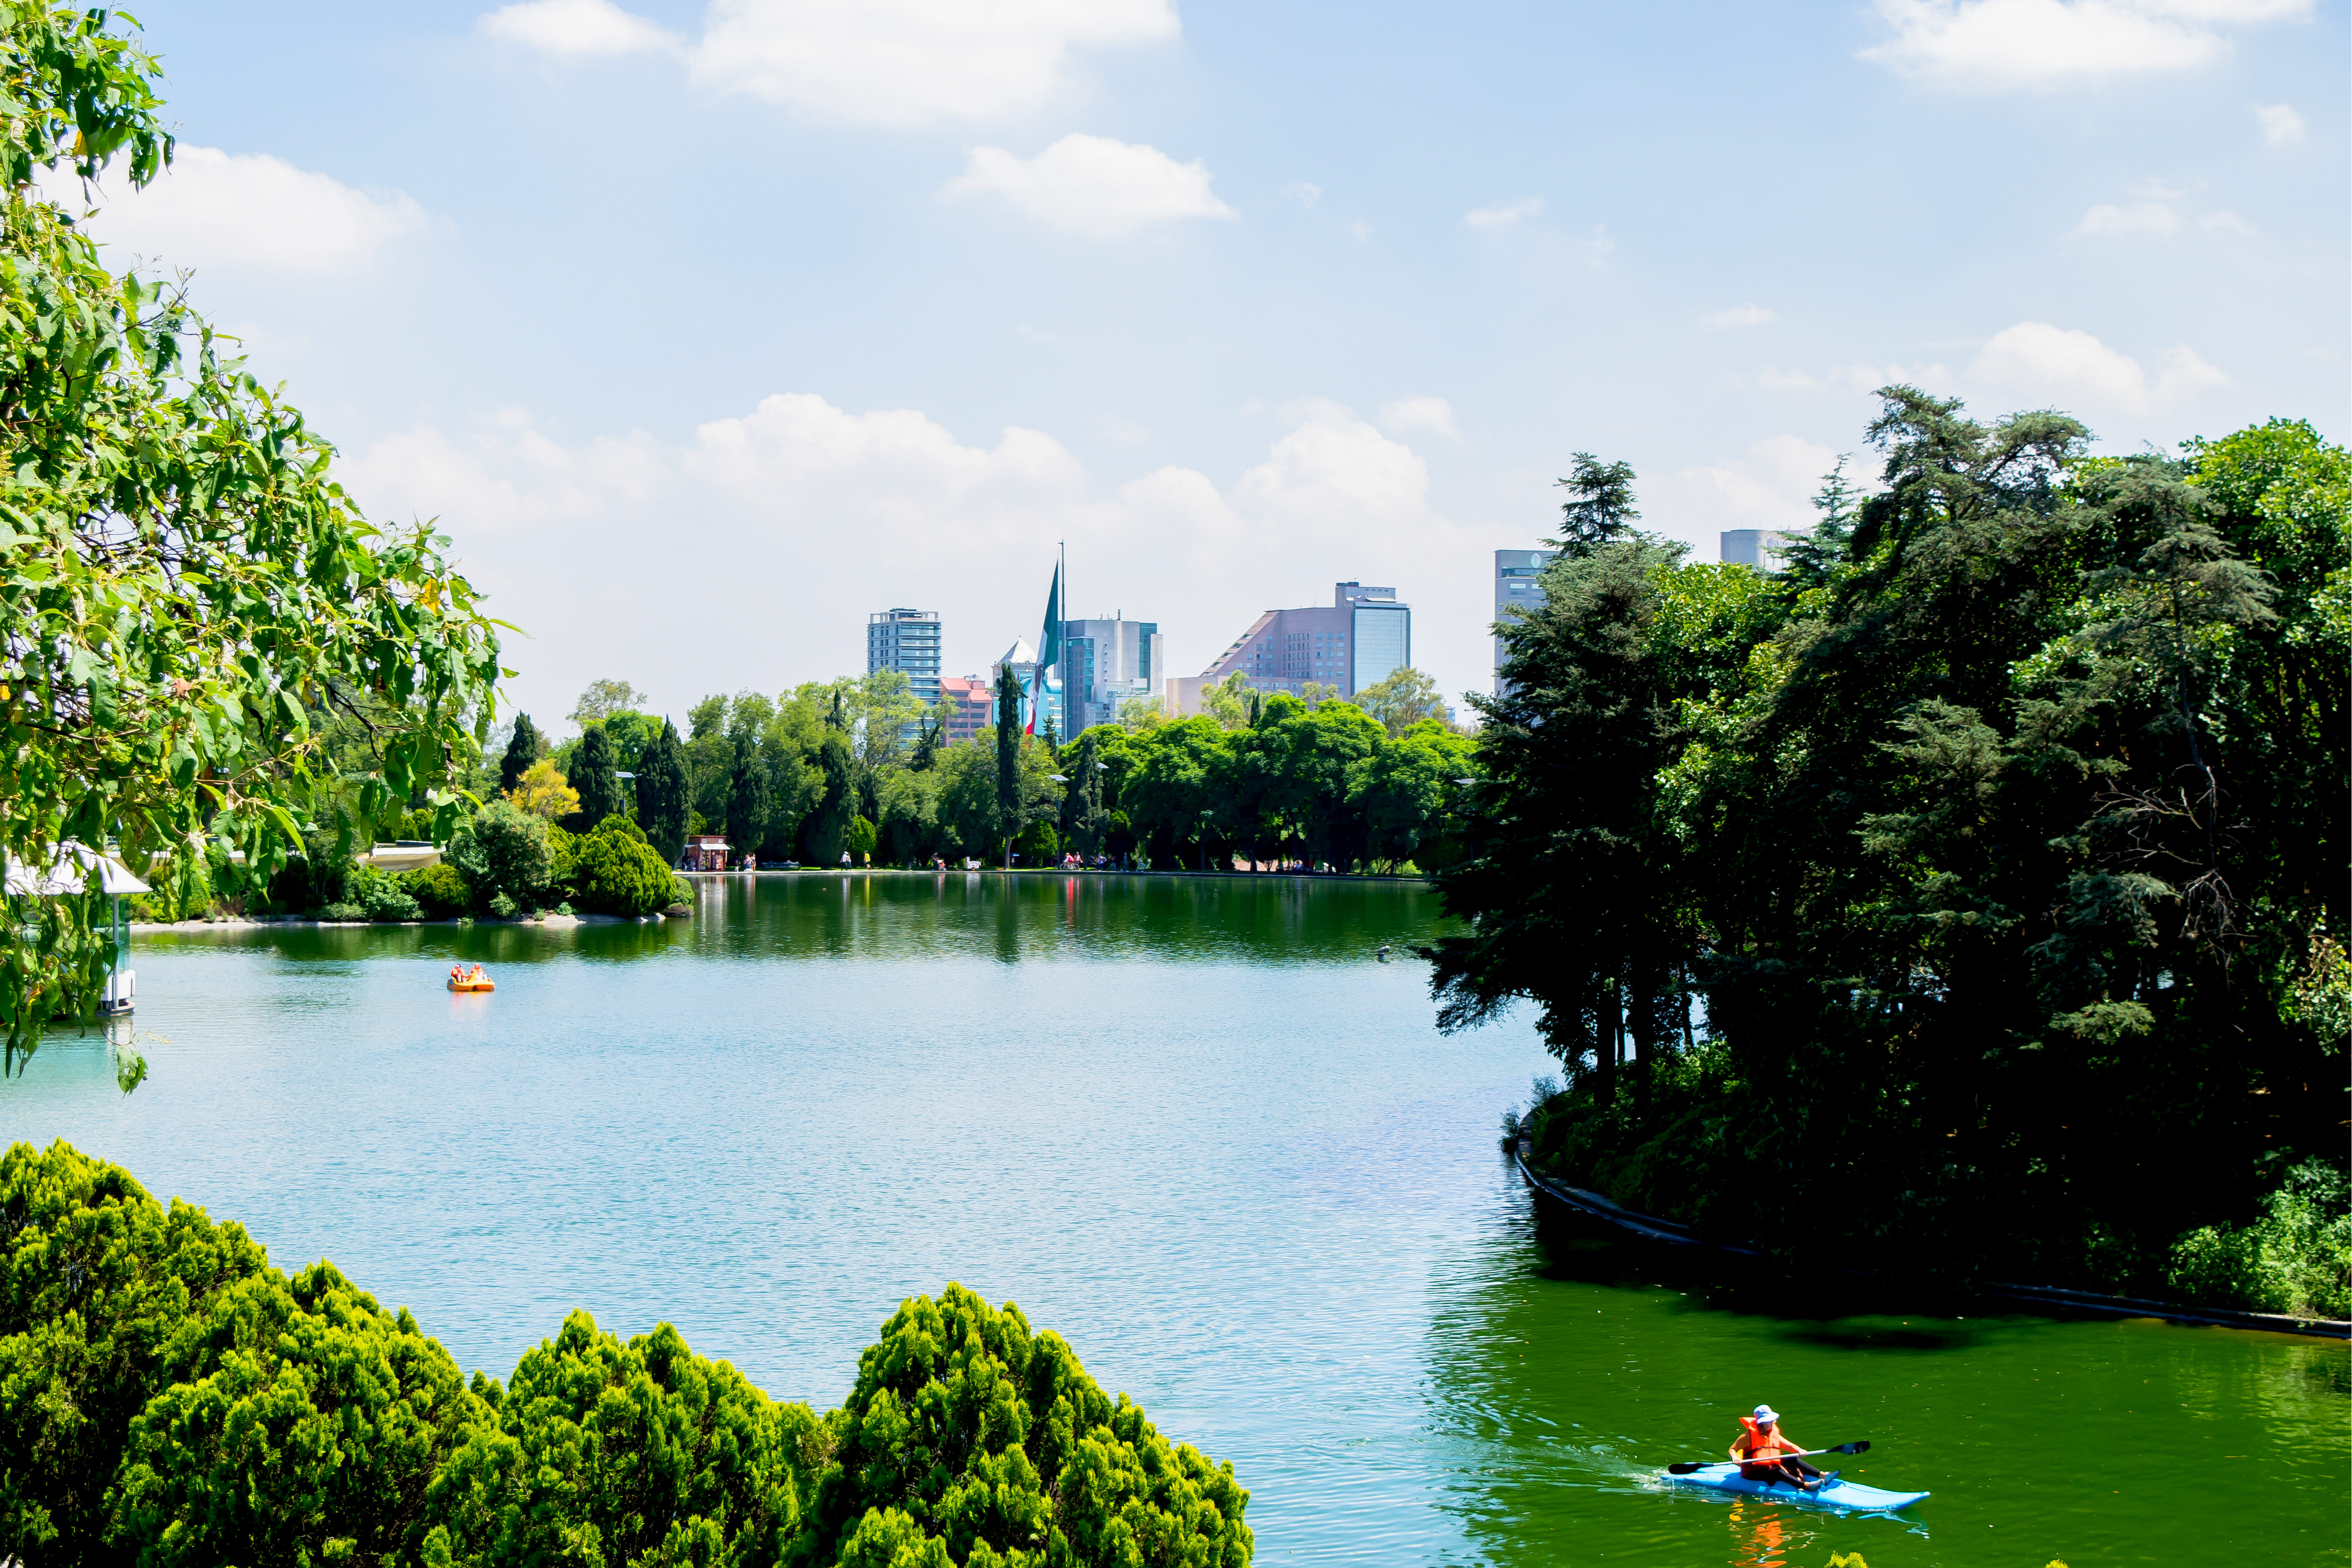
x,y
1231,702
966,1428
1085,817
825,836
644,1448
747,797
592,777
663,799
544,793
1181,774
185,586
617,872
1984,834
1009,814
504,851
523,749
1600,507
1403,699
603,700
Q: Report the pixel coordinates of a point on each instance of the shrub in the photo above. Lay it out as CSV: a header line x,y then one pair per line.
x,y
291,887
344,912
1038,844
503,853
617,874
384,895
81,1346
504,908
167,1397
2296,1259
999,1446
587,1446
441,890
563,856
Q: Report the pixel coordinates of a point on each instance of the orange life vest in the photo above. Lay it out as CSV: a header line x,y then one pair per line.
x,y
1763,1450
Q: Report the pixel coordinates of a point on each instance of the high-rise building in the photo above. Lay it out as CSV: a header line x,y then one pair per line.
x,y
1104,664
1756,547
972,707
909,642
1360,638
1518,585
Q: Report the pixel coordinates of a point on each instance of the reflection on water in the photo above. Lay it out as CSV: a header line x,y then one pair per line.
x,y
1195,1126
1562,1387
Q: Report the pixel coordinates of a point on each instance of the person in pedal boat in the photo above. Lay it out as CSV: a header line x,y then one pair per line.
x,y
1760,1448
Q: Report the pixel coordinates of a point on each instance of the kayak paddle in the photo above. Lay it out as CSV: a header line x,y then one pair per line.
x,y
1856,1448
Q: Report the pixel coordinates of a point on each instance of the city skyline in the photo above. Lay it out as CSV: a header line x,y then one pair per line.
x,y
1230,298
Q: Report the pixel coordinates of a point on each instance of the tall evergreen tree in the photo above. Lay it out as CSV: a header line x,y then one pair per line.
x,y
663,792
592,777
521,752
1084,816
747,798
1600,505
1008,759
825,833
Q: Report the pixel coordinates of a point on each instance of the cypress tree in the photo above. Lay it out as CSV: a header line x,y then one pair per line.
x,y
747,798
521,752
662,794
592,775
1087,819
1008,759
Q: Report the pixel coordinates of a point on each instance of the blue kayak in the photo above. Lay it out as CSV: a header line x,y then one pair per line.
x,y
1851,1496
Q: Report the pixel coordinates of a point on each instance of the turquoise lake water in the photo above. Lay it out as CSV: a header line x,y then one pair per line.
x,y
1196,1126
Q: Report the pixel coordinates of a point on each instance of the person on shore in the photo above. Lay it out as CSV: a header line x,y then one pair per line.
x,y
1763,1450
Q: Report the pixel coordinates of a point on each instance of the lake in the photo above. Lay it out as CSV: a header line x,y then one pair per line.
x,y
1195,1125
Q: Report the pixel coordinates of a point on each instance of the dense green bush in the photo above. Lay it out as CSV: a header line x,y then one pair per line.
x,y
2296,1259
990,1446
618,873
96,1280
166,1397
381,894
441,890
504,852
646,1448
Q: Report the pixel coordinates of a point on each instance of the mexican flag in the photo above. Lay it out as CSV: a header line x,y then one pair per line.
x,y
1049,648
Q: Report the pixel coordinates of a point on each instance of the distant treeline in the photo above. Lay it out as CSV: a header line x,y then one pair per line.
x,y
1969,896
856,766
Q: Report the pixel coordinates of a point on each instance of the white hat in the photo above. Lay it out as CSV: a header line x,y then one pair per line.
x,y
1766,1415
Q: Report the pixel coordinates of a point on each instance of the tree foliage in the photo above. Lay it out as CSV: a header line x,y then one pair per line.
x,y
166,1396
592,775
662,798
1990,843
185,591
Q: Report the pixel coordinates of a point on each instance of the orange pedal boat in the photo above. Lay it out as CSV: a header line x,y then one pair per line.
x,y
477,981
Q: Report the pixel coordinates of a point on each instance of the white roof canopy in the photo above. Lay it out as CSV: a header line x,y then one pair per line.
x,y
69,873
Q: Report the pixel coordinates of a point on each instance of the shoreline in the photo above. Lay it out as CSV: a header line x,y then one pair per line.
x,y
2050,1301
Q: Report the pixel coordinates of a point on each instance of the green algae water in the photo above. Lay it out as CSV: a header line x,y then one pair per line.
x,y
1202,1129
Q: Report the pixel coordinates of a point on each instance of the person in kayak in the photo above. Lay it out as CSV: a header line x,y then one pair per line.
x,y
1760,1447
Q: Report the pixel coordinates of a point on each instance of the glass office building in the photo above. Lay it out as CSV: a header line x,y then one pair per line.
x,y
909,642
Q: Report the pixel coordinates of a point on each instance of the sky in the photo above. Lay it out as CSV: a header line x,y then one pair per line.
x,y
706,331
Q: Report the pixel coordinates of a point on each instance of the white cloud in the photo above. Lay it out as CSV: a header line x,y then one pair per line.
x,y
889,507
1092,186
1775,380
2140,217
1871,378
909,63
2225,222
1993,44
1737,316
249,209
903,63
574,28
2282,126
1770,485
2036,362
1503,216
1306,193
1433,414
